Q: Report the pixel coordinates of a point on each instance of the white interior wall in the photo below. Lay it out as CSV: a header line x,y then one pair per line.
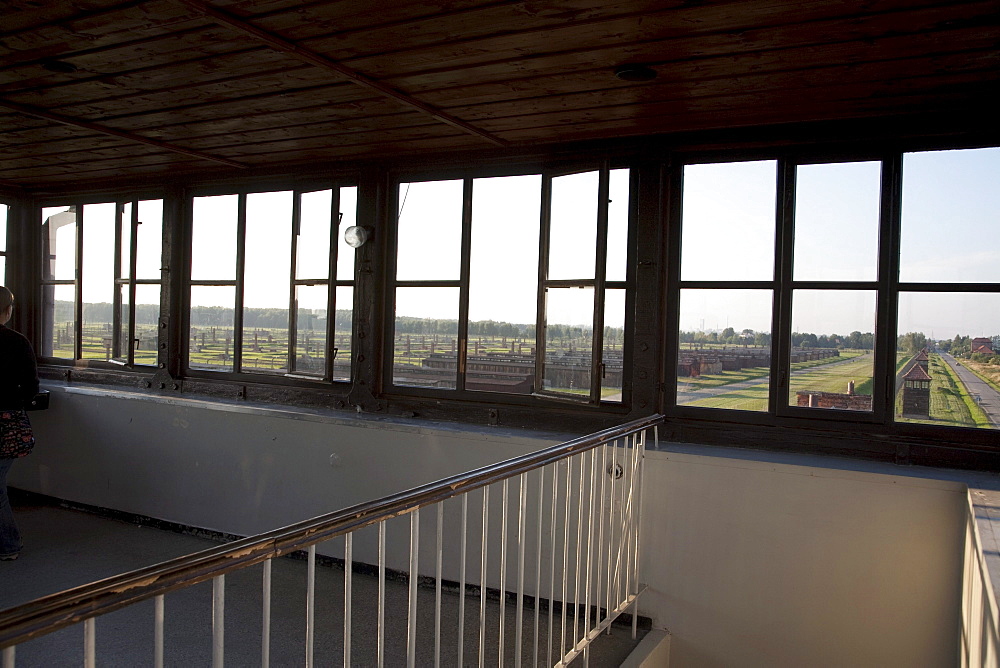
x,y
748,562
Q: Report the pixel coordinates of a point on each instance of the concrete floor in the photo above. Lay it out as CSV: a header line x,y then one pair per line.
x,y
66,548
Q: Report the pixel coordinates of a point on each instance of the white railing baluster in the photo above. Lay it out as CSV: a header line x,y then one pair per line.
x,y
603,474
552,559
310,604
565,559
590,545
381,594
538,565
411,617
521,511
265,634
348,594
9,653
482,578
218,620
461,579
158,631
437,585
89,643
611,521
503,572
579,550
638,532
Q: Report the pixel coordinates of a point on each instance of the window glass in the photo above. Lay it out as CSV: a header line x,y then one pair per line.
x,y
502,302
98,276
211,328
426,328
950,215
618,208
724,353
955,338
3,269
573,226
569,340
59,243
343,332
266,282
345,254
147,314
149,240
213,237
429,232
3,227
310,329
832,356
728,221
837,221
612,356
125,252
313,245
59,321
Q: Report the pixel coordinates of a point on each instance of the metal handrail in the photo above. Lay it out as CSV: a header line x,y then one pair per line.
x,y
56,611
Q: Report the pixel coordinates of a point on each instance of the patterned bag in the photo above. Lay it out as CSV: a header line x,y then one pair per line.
x,y
16,437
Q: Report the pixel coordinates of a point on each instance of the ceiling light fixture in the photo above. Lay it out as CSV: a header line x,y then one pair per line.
x,y
635,72
60,66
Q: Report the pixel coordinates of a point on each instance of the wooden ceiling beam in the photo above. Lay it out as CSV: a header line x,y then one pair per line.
x,y
95,127
307,55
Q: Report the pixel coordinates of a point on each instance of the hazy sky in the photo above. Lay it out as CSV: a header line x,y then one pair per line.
x,y
950,232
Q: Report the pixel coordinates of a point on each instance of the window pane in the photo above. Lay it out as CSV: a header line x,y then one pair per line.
x,y
728,221
618,208
213,238
125,256
121,352
310,329
98,277
3,227
266,282
569,340
343,332
345,254
211,330
614,344
149,240
147,313
959,383
503,301
425,337
832,358
313,245
59,321
429,234
59,243
836,221
573,226
950,214
725,349
3,269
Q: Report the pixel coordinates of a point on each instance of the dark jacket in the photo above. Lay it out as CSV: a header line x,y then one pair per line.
x,y
18,375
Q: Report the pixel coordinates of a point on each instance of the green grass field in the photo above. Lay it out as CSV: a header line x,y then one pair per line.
x,y
825,376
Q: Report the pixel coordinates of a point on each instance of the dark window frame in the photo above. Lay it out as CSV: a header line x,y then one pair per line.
x,y
880,422
119,360
291,377
591,402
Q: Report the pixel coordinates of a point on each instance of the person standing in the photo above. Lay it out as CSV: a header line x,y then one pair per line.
x,y
18,386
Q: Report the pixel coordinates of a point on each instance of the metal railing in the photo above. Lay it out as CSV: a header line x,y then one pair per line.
x,y
979,644
571,560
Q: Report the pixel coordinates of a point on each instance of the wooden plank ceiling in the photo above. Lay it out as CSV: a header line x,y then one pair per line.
x,y
97,91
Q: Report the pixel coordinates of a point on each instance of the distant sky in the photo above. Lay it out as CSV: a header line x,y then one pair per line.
x,y
950,232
